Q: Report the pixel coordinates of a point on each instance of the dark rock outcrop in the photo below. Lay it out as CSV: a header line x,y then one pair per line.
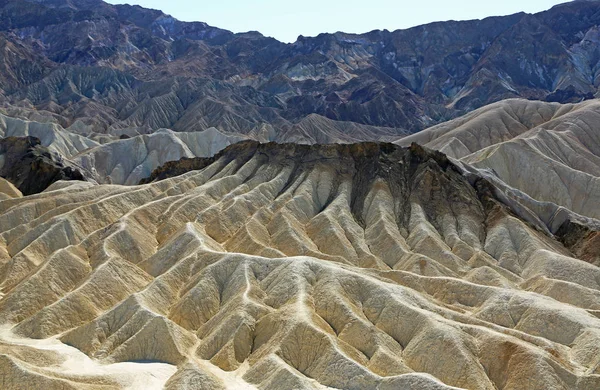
x,y
410,173
413,174
31,167
582,240
373,158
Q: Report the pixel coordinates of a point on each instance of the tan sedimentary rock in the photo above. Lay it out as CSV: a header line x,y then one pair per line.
x,y
364,266
544,156
129,160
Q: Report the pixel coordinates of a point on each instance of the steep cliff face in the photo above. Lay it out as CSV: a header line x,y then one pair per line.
x,y
31,167
106,68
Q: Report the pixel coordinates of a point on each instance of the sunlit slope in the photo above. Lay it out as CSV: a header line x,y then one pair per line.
x,y
363,266
547,155
127,161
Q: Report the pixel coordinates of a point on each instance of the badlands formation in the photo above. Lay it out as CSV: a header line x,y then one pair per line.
x,y
148,240
544,156
112,69
364,266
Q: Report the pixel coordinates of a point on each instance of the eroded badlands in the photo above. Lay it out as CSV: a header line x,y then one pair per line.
x,y
365,266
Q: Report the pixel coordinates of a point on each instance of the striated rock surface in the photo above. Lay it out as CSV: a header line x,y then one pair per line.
x,y
8,190
51,135
543,156
365,266
131,159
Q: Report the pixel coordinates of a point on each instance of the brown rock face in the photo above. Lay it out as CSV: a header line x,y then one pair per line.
x,y
583,241
31,167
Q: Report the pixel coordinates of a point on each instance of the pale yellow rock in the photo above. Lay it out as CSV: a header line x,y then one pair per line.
x,y
257,273
130,160
545,156
8,191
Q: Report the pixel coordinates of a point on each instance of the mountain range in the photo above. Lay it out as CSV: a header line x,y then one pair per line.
x,y
97,68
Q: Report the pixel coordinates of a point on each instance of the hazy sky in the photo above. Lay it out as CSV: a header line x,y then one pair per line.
x,y
285,20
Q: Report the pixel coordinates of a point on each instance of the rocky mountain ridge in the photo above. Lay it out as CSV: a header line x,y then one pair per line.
x,y
98,68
